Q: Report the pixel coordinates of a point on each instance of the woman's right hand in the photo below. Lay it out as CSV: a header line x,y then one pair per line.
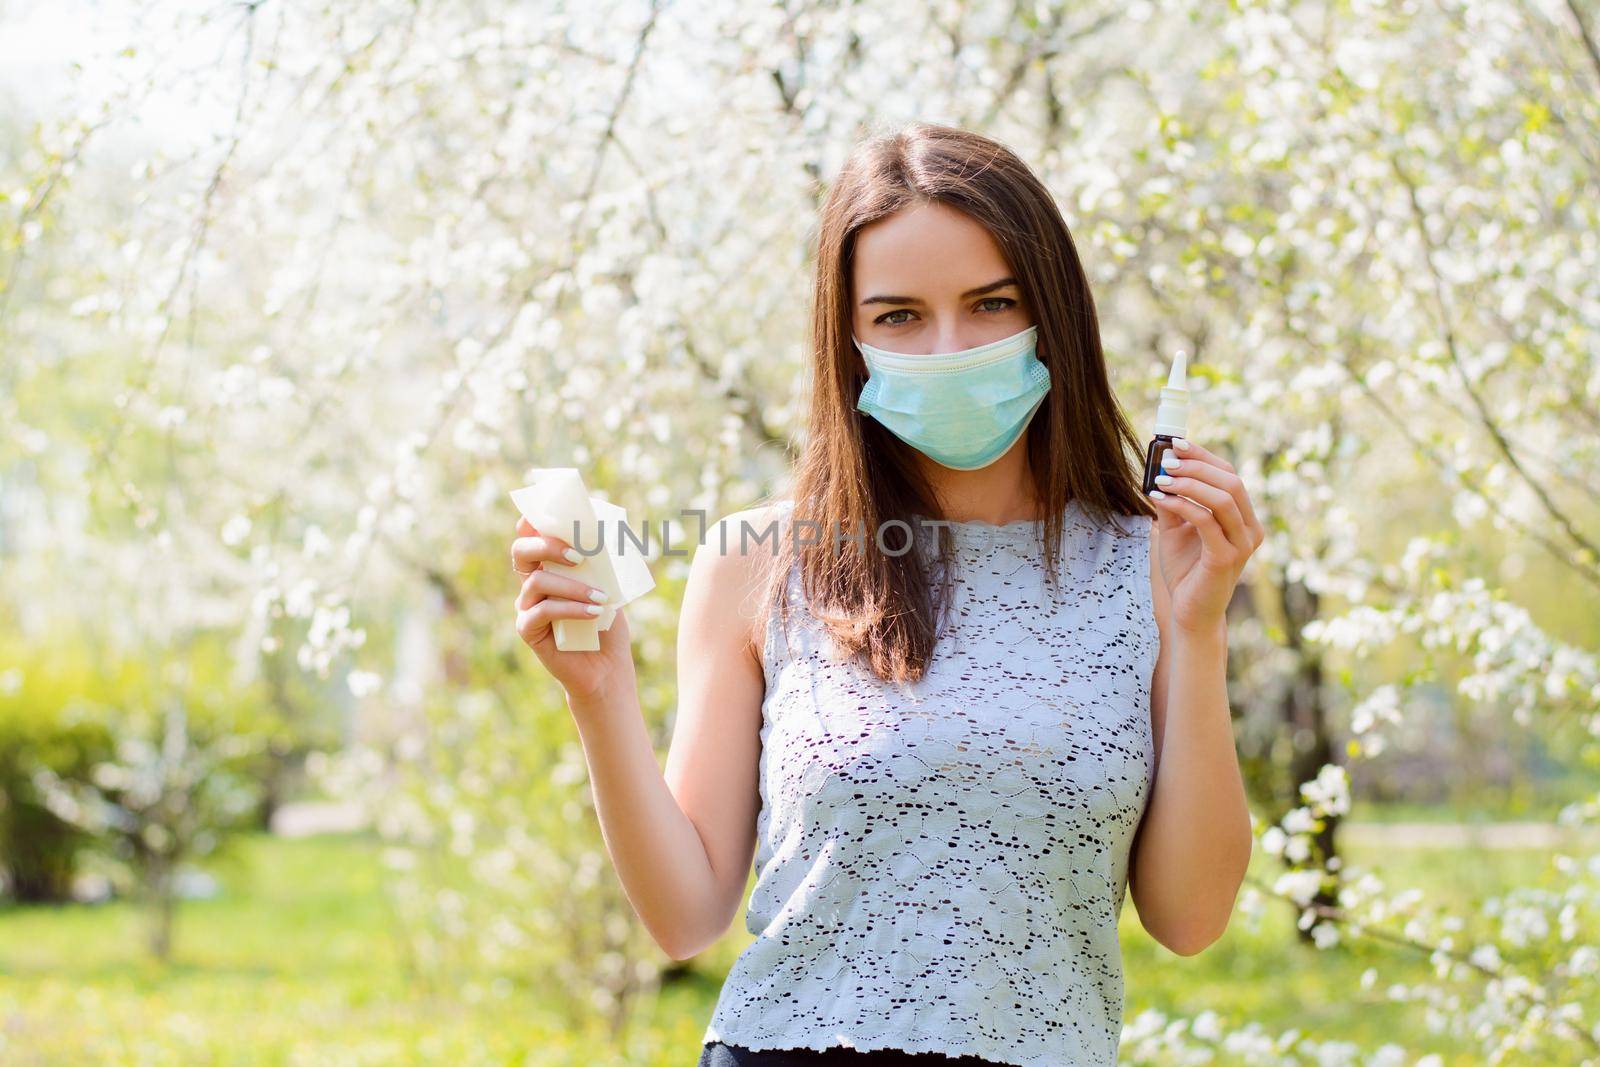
x,y
547,595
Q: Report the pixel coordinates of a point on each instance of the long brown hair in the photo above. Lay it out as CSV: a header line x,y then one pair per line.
x,y
854,475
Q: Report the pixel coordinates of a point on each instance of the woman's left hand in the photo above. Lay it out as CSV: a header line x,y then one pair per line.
x,y
1207,531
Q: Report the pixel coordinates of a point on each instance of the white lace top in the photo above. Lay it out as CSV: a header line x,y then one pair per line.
x,y
941,866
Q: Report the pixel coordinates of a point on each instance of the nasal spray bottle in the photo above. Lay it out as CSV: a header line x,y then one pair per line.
x,y
1172,418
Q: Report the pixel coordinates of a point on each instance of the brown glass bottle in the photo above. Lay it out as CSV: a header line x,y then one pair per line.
x,y
1172,419
1152,459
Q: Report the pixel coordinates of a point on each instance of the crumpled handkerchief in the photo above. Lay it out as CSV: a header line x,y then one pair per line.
x,y
557,504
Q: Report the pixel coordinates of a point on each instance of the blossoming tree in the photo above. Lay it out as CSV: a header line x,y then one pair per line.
x,y
419,249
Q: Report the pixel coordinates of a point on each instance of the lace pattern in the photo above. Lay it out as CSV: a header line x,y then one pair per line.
x,y
941,866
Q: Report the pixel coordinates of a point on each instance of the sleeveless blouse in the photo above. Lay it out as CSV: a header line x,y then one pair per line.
x,y
940,866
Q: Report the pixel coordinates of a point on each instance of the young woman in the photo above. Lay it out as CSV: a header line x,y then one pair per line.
x,y
957,693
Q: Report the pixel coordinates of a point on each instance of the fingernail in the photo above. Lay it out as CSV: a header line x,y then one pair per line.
x,y
1157,493
1179,442
599,596
593,609
1171,462
1162,479
572,556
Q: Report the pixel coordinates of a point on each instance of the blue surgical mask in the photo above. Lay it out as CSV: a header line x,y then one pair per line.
x,y
961,409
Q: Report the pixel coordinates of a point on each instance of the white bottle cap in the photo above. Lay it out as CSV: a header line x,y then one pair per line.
x,y
1172,414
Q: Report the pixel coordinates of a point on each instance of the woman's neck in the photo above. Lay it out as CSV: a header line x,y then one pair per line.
x,y
999,493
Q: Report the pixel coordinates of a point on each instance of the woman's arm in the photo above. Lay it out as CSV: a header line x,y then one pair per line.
x,y
1193,847
681,841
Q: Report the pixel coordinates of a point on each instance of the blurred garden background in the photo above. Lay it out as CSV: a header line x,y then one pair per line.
x,y
293,294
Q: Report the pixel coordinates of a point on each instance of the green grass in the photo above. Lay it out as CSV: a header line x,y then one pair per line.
x,y
1540,802
294,963
297,962
1266,975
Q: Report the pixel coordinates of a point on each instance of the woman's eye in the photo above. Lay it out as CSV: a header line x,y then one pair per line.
x,y
884,319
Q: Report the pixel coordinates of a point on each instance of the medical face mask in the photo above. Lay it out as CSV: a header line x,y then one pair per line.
x,y
961,409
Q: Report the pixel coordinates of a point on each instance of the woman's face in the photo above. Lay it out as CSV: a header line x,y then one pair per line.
x,y
929,280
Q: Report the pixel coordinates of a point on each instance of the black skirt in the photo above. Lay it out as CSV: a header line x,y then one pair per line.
x,y
717,1054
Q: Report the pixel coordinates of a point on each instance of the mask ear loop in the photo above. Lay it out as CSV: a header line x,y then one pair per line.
x,y
862,372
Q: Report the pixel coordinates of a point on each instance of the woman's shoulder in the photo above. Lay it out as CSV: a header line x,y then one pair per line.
x,y
752,533
733,564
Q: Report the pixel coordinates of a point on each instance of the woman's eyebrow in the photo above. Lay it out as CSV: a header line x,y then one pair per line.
x,y
979,291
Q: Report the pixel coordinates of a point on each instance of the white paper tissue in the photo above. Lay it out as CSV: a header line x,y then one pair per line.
x,y
557,504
